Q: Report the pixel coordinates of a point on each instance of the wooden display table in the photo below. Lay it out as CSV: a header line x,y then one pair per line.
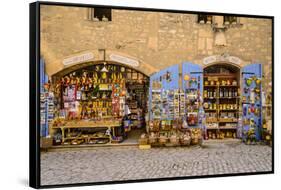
x,y
88,124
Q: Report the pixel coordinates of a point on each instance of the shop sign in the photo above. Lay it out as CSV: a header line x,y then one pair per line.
x,y
221,58
124,60
78,59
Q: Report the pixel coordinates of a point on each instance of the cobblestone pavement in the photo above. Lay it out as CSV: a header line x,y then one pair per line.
x,y
125,163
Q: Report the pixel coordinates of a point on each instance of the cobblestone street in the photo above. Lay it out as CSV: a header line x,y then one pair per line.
x,y
128,163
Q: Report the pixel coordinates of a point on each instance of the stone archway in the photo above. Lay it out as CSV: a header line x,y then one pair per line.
x,y
54,67
70,69
223,63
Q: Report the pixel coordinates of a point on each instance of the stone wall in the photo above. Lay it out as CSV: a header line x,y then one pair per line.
x,y
156,39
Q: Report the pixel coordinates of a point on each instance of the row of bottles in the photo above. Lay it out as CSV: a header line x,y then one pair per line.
x,y
228,92
223,92
228,106
210,93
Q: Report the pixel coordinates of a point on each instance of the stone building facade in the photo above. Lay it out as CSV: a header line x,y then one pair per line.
x,y
155,39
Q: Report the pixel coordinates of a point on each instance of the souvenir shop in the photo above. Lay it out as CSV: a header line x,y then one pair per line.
x,y
184,104
216,102
102,103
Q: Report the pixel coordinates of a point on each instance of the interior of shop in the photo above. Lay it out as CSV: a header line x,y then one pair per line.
x,y
221,100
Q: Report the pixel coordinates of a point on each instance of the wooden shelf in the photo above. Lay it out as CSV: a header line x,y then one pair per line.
x,y
211,85
90,137
227,121
96,100
229,97
212,128
234,110
211,98
93,90
226,75
228,86
219,128
213,120
267,105
228,128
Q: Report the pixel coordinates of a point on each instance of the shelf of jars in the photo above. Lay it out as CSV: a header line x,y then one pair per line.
x,y
221,105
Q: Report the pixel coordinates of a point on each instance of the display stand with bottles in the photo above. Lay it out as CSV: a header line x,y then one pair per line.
x,y
221,104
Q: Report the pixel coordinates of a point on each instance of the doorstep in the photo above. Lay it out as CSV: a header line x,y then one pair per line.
x,y
225,140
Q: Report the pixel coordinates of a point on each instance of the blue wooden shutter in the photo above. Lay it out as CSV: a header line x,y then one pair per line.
x,y
249,71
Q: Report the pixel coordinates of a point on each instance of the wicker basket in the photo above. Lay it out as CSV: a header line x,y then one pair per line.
x,y
163,140
185,141
200,141
194,141
174,140
143,141
152,140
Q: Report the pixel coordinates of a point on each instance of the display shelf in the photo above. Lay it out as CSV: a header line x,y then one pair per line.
x,y
101,99
234,110
85,125
222,86
226,128
46,112
210,110
211,97
227,121
252,103
218,75
229,97
221,93
74,138
211,119
212,128
214,86
92,90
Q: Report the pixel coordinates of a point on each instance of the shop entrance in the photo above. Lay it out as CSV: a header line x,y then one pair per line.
x,y
100,103
221,100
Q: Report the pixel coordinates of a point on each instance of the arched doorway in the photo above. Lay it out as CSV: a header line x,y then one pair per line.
x,y
221,100
97,91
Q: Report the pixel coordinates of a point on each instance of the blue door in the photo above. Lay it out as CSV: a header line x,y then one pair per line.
x,y
161,82
192,85
251,100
